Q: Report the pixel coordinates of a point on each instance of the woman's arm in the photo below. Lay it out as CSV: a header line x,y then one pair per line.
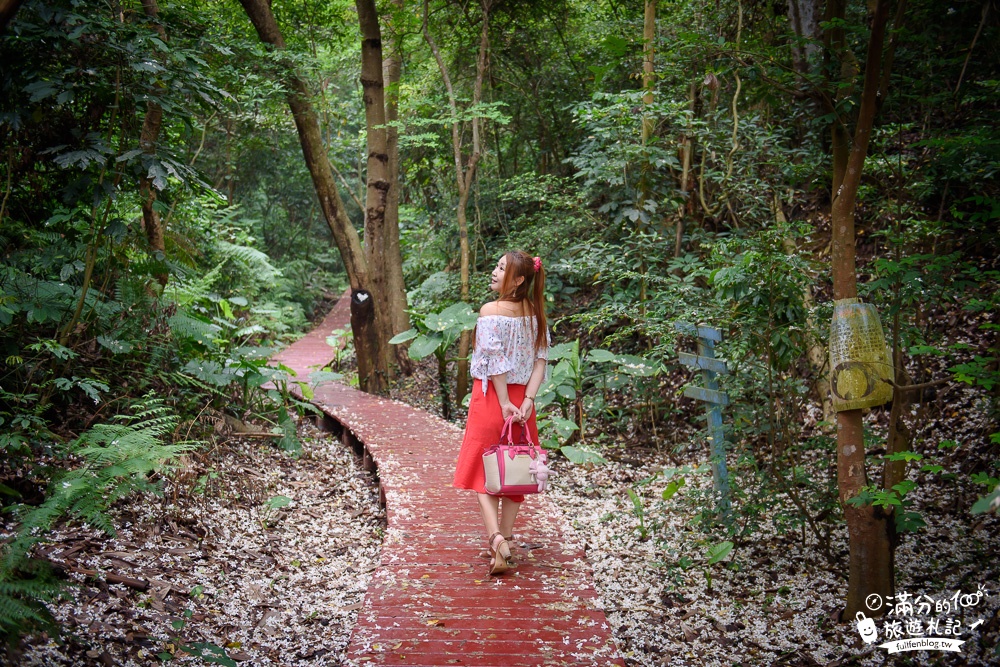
x,y
531,390
506,407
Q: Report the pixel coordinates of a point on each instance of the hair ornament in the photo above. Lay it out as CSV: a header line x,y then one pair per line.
x,y
538,263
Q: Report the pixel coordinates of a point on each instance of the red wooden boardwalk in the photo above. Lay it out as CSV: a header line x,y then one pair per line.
x,y
430,601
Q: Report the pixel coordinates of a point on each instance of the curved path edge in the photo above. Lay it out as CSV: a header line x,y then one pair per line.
x,y
430,601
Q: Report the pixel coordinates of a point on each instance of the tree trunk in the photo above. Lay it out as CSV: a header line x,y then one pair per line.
x,y
871,567
363,326
366,343
804,18
464,177
148,137
8,8
393,269
648,63
379,182
648,82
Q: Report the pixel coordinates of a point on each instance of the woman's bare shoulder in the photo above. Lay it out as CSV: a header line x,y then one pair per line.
x,y
491,308
505,309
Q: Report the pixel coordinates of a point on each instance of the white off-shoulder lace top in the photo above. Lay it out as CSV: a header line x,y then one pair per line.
x,y
506,344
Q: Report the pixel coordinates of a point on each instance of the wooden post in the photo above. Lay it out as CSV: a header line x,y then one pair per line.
x,y
714,399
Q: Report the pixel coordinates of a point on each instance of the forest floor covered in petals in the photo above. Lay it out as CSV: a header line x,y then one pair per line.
x,y
267,556
250,551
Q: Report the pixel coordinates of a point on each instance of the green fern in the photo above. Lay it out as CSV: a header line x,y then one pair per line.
x,y
22,601
186,292
255,260
192,328
117,460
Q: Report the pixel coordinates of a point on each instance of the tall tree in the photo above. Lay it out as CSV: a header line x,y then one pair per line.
x,y
395,287
648,121
869,528
803,15
380,180
465,169
366,311
148,138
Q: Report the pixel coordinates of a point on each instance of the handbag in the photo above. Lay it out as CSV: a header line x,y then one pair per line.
x,y
515,469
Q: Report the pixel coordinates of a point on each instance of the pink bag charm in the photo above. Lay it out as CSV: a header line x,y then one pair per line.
x,y
515,469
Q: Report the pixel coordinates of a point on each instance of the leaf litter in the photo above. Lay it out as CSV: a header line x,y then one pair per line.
x,y
224,564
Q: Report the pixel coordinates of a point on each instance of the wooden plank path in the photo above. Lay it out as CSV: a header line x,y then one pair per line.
x,y
430,601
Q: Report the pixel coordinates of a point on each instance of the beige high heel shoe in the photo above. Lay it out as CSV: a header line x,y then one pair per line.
x,y
490,551
500,563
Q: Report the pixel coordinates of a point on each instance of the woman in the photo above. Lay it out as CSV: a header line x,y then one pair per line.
x,y
508,364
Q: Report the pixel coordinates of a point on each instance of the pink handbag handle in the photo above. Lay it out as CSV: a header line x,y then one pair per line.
x,y
508,428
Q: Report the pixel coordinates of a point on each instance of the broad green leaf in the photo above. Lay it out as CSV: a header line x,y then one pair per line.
x,y
718,551
566,392
563,350
277,501
673,487
563,426
409,334
458,316
988,503
425,345
578,455
317,378
599,356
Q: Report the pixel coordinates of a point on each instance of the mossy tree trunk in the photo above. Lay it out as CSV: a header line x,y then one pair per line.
x,y
869,528
372,368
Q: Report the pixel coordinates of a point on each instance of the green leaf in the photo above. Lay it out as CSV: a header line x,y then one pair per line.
x,y
636,502
909,522
673,487
409,334
615,45
984,478
633,365
599,356
563,426
317,378
457,317
566,392
718,551
277,501
210,653
988,503
564,350
578,455
904,456
425,345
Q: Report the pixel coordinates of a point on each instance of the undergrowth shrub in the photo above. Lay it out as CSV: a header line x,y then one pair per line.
x,y
104,464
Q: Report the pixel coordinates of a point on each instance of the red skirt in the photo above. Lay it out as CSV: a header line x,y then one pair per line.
x,y
482,431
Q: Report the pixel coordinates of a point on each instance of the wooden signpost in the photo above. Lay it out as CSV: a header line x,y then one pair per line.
x,y
714,399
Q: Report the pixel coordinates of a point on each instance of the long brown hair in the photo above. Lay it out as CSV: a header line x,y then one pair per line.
x,y
532,289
